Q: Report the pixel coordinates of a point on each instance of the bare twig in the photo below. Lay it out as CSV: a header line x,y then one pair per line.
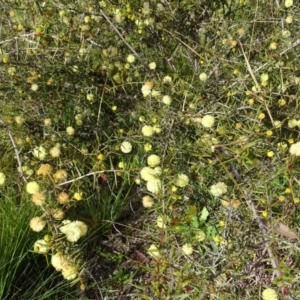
x,y
15,149
89,174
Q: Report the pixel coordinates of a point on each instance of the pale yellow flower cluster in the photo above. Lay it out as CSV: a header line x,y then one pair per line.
x,y
126,147
187,249
269,294
295,149
40,152
182,180
74,230
218,189
293,123
148,130
65,266
37,224
150,175
41,247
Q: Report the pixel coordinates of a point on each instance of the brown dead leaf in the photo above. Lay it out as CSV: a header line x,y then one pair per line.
x,y
285,231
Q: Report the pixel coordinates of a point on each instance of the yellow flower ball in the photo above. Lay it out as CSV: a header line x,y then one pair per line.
x,y
32,187
47,122
63,198
58,214
153,160
60,175
69,271
57,261
44,170
147,173
218,189
200,236
187,249
203,77
34,87
269,294
208,121
41,247
148,201
154,185
167,100
78,196
40,152
130,58
288,3
147,130
55,151
147,147
126,147
39,198
152,65
295,149
167,79
182,180
37,224
70,130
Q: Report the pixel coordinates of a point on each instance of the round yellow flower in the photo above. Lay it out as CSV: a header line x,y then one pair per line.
x,y
74,230
58,261
37,224
288,3
152,65
187,249
2,178
293,123
55,151
45,169
203,77
153,160
147,147
58,214
154,185
34,87
295,149
69,271
70,130
147,173
167,100
182,180
126,147
41,247
32,187
218,189
200,236
40,153
147,201
130,58
78,196
269,294
60,175
208,121
147,130
63,198
38,198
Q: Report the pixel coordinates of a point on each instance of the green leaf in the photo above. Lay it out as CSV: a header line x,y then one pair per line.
x,y
204,214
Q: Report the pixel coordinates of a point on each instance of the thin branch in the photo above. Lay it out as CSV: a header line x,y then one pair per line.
x,y
15,149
